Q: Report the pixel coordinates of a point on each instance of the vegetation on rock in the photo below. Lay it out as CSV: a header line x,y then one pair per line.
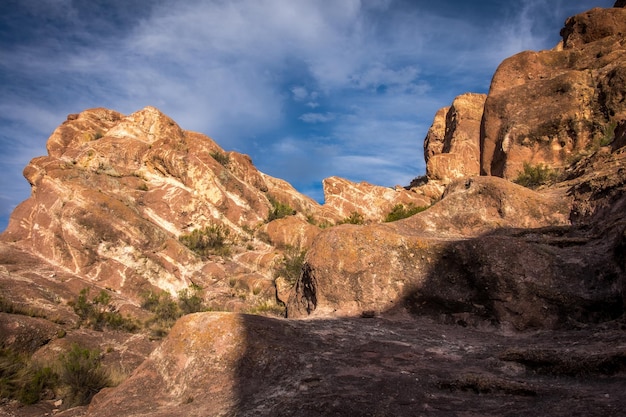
x,y
534,176
221,157
354,218
400,211
279,210
76,376
167,310
99,312
82,374
210,240
291,264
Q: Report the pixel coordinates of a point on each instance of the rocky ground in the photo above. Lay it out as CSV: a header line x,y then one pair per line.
x,y
390,365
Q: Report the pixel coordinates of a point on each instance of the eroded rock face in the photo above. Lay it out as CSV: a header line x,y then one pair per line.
x,y
551,106
488,252
373,202
452,145
115,192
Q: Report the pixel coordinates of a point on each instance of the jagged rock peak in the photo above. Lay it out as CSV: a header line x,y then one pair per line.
x,y
116,192
593,25
452,145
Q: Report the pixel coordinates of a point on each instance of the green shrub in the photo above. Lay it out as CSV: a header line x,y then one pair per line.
x,y
608,133
81,372
222,158
38,380
23,380
291,264
279,210
210,240
399,211
354,218
190,300
267,307
167,310
100,312
535,175
323,224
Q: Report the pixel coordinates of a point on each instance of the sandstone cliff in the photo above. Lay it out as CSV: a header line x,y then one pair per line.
x,y
116,192
491,251
554,106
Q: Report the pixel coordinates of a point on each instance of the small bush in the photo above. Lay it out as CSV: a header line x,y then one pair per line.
x,y
222,158
535,175
279,210
267,307
211,240
99,312
81,372
354,218
167,310
323,224
608,134
190,300
399,211
291,264
22,380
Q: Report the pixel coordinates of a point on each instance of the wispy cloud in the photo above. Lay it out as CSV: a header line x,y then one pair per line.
x,y
317,117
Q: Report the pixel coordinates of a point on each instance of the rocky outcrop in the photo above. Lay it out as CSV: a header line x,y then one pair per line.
x,y
468,250
452,145
115,193
373,202
488,252
550,107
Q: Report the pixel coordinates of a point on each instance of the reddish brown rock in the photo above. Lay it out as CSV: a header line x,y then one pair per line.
x,y
291,231
353,269
222,364
576,94
373,202
452,146
115,192
433,143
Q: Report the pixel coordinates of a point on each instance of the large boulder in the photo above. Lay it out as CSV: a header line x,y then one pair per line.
x,y
488,252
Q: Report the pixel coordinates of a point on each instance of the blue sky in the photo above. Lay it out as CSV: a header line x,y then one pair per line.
x,y
308,88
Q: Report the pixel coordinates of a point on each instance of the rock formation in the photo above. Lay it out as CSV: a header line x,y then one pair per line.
x,y
496,300
371,201
119,191
489,251
452,145
576,91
